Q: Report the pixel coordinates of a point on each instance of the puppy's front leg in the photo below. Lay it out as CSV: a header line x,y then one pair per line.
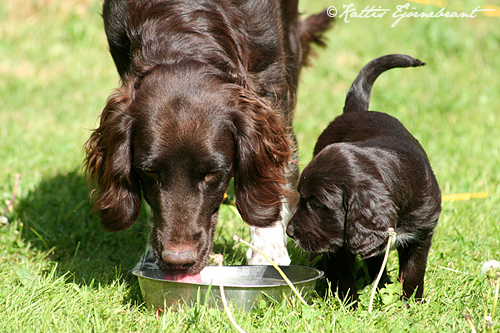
x,y
412,264
339,270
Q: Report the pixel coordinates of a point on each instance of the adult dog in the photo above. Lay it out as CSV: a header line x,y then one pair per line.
x,y
368,174
208,90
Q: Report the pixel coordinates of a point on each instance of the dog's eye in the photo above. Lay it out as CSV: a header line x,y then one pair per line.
x,y
149,171
315,204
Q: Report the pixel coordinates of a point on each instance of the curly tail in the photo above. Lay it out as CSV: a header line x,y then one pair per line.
x,y
358,97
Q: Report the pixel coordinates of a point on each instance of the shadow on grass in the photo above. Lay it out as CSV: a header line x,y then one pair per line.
x,y
57,215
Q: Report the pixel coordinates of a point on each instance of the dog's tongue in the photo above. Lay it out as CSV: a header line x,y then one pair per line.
x,y
196,278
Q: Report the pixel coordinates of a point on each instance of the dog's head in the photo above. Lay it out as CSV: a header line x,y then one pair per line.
x,y
177,136
343,202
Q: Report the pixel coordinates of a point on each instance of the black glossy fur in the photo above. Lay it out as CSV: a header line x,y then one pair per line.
x,y
208,90
368,174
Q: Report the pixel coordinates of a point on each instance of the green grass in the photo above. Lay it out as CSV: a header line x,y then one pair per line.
x,y
59,272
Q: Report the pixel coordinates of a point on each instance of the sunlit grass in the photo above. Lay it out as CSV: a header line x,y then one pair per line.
x,y
59,272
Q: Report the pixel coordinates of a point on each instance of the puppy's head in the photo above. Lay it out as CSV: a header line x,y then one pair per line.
x,y
343,202
318,222
177,136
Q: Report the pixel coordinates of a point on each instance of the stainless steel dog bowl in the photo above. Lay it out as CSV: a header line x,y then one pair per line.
x,y
244,286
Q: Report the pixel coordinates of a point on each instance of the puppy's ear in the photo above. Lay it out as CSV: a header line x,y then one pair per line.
x,y
369,215
261,161
109,164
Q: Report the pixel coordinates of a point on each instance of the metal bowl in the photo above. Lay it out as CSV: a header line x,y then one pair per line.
x,y
244,286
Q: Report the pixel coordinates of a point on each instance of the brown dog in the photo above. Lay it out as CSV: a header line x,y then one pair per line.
x,y
208,93
368,174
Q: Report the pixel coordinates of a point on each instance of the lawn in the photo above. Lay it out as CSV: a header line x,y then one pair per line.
x,y
60,272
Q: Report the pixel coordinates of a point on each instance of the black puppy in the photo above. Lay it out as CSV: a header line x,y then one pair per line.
x,y
368,174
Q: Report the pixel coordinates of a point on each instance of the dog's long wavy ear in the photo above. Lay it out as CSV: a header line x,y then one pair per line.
x,y
109,163
261,161
370,213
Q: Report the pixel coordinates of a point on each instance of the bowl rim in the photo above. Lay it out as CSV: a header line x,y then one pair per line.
x,y
319,274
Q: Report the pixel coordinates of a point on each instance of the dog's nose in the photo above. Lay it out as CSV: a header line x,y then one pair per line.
x,y
290,231
179,260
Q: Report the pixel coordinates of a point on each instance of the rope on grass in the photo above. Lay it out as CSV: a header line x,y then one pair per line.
x,y
283,275
218,258
392,233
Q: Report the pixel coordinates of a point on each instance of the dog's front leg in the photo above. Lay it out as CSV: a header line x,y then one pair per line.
x,y
271,241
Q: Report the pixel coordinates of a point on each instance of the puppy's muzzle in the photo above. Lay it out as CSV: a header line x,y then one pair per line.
x,y
290,231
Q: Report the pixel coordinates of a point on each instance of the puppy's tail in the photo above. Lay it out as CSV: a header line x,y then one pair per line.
x,y
358,97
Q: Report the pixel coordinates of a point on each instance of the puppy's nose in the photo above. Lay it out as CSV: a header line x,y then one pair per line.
x,y
290,231
179,259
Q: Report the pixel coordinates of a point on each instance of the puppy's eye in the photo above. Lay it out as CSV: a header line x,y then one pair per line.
x,y
315,204
210,177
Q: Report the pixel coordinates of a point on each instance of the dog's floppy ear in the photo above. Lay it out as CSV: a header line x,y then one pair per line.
x,y
262,156
109,164
370,213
